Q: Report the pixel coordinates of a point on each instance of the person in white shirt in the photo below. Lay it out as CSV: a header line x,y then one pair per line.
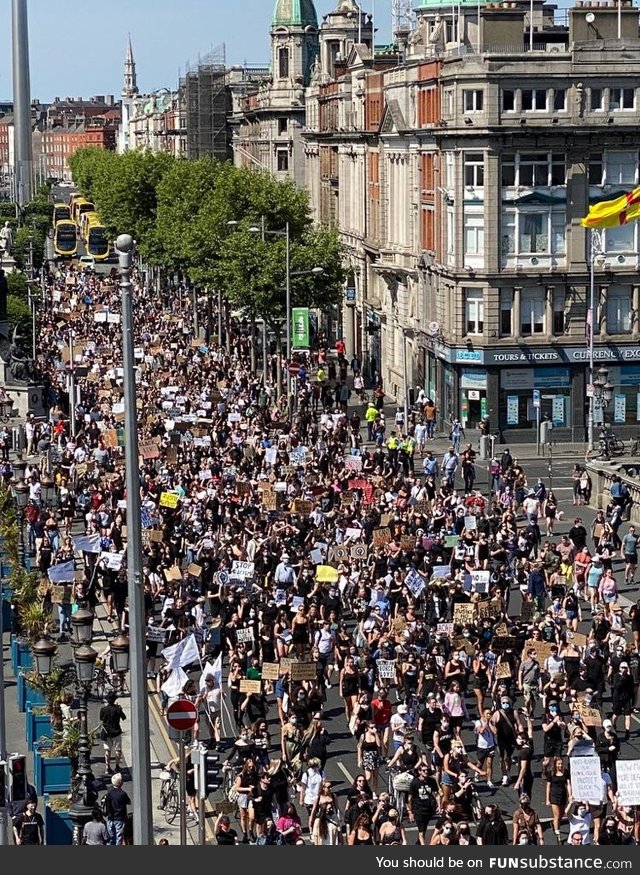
x,y
531,507
311,784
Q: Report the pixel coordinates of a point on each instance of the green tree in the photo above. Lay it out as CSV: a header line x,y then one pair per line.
x,y
21,241
18,313
17,283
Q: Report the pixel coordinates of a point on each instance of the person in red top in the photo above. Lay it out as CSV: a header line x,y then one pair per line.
x,y
381,709
340,347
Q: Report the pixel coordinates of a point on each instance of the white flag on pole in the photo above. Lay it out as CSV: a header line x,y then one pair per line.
x,y
87,543
174,684
209,668
183,653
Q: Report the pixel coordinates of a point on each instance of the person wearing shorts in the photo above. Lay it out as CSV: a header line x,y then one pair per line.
x,y
629,553
111,716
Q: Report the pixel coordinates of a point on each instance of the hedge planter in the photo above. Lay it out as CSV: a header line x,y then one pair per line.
x,y
27,695
58,824
37,726
21,655
51,774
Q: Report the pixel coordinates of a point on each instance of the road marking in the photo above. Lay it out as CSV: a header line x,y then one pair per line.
x,y
345,771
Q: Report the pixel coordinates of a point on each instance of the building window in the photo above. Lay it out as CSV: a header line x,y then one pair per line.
x,y
449,170
534,99
474,309
451,233
532,313
283,160
596,99
506,311
508,100
474,169
621,239
558,311
283,126
533,232
283,63
621,98
534,169
620,168
618,310
613,168
449,106
560,99
473,234
473,100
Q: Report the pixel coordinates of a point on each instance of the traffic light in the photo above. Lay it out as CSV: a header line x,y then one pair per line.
x,y
17,777
210,779
3,784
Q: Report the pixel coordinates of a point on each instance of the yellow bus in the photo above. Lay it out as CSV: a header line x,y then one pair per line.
x,y
65,239
82,205
73,200
61,212
86,219
97,241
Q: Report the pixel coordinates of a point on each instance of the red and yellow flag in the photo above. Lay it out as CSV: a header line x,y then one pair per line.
x,y
613,213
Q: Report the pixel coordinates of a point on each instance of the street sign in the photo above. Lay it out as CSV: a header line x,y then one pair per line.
x,y
590,392
536,398
182,715
294,369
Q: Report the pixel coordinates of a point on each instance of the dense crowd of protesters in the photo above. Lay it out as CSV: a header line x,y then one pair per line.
x,y
333,548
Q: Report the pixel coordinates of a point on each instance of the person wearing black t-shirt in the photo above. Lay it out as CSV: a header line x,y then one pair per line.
x,y
224,834
428,721
421,802
28,827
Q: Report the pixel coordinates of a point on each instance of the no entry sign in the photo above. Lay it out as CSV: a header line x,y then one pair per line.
x,y
182,715
294,369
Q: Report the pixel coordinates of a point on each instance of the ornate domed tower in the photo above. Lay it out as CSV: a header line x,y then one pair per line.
x,y
294,43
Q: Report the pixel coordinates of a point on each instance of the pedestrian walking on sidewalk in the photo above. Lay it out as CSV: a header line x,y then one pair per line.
x,y
111,716
116,801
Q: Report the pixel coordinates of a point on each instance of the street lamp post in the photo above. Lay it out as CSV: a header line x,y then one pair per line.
x,y
596,248
84,792
143,817
601,395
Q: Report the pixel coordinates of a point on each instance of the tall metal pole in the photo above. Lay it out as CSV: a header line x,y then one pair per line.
x,y
595,247
72,385
22,102
4,833
405,382
183,792
142,808
288,301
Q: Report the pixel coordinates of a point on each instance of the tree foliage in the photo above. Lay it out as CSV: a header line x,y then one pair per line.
x,y
196,216
21,240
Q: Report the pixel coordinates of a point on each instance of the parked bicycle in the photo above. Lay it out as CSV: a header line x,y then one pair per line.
x,y
169,795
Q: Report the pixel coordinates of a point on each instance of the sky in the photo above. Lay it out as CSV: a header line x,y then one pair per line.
x,y
77,49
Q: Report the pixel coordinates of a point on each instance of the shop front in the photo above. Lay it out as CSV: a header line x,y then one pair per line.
x,y
500,383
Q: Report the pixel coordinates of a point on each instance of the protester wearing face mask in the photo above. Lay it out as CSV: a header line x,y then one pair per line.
x,y
555,731
611,834
464,834
526,820
445,834
492,830
506,724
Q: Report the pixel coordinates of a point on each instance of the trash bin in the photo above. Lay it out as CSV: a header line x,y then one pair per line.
x,y
484,446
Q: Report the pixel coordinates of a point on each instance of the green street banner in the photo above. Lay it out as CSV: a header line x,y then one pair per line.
x,y
300,328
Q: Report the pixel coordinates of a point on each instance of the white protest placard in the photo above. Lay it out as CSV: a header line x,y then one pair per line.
x,y
242,570
586,779
353,463
112,561
271,455
280,597
445,628
244,636
234,417
386,669
297,602
353,533
415,582
298,456
440,571
628,772
470,523
317,557
480,581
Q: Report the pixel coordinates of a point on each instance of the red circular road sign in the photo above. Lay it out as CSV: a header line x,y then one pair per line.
x,y
294,369
182,715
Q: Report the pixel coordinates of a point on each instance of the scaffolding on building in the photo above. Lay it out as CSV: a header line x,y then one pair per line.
x,y
205,95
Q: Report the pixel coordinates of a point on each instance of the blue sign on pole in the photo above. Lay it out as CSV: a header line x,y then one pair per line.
x,y
536,398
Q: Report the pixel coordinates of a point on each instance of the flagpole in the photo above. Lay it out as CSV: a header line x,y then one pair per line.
x,y
596,246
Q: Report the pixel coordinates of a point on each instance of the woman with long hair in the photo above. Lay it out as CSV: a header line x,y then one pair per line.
x,y
558,793
244,785
349,686
326,827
